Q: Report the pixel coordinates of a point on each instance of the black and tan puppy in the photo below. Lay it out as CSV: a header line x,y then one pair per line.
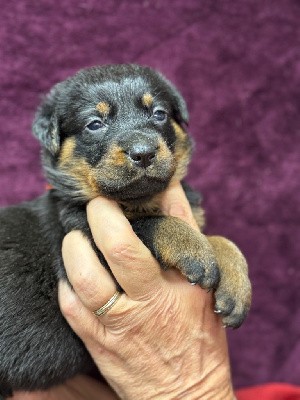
x,y
117,131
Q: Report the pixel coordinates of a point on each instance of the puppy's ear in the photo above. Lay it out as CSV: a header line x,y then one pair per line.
x,y
45,125
179,104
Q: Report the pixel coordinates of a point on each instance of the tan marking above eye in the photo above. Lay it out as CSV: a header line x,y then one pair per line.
x,y
103,108
147,100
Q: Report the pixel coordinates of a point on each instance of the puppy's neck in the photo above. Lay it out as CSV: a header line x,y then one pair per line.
x,y
148,208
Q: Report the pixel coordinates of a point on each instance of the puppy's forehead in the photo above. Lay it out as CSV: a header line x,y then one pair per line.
x,y
124,91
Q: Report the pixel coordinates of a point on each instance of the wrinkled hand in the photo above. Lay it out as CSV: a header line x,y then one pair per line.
x,y
161,339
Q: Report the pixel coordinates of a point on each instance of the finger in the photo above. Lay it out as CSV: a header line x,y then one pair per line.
x,y
91,281
175,204
75,313
130,260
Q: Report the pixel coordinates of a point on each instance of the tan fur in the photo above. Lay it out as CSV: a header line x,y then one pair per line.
x,y
103,108
67,151
188,243
179,132
79,169
113,163
182,152
117,156
163,153
86,175
233,270
147,100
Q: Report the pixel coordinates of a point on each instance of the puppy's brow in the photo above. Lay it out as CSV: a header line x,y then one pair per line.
x,y
147,100
103,108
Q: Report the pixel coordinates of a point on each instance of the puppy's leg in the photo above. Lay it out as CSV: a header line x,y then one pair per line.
x,y
233,295
213,262
176,245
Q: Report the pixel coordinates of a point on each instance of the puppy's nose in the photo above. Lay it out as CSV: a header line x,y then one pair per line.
x,y
142,155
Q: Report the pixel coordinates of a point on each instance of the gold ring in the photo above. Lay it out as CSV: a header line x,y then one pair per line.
x,y
107,306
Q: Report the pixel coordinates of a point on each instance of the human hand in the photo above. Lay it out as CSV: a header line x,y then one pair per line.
x,y
161,339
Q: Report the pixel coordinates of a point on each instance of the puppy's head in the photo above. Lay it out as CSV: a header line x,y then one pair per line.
x,y
114,130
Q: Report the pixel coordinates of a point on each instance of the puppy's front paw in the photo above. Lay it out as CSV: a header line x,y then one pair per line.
x,y
195,259
176,245
233,305
233,295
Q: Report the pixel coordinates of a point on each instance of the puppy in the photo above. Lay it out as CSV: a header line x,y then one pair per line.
x,y
116,131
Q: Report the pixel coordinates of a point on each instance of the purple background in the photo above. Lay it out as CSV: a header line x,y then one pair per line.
x,y
237,64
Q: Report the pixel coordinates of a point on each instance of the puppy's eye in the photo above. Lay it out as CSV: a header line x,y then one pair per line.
x,y
95,125
160,115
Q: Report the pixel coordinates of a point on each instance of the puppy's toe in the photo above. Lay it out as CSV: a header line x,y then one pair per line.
x,y
233,309
196,271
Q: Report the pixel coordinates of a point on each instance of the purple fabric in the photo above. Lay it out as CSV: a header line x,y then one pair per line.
x,y
237,64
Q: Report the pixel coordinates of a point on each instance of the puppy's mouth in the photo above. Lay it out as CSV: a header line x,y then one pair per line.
x,y
136,190
128,176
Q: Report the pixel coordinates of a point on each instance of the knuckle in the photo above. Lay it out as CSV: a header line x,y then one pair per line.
x,y
179,210
68,306
81,281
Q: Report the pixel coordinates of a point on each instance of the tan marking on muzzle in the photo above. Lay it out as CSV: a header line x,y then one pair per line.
x,y
114,164
79,169
182,152
103,108
67,151
116,155
163,153
147,100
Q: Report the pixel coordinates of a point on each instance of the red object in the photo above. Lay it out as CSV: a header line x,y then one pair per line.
x,y
272,391
48,186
